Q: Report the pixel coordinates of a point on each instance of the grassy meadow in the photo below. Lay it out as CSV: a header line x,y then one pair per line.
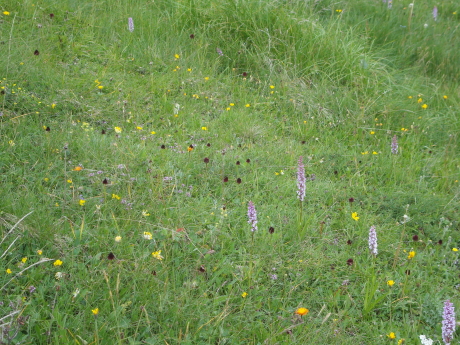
x,y
131,153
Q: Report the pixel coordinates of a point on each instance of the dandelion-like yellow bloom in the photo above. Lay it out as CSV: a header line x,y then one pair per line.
x,y
145,213
58,263
354,215
425,106
301,311
454,249
78,168
53,106
8,271
410,97
118,239
204,128
372,132
117,129
375,153
244,294
400,341
153,132
206,78
95,311
445,97
391,335
139,128
39,252
6,13
147,235
247,105
82,202
24,260
390,283
114,196
157,255
272,86
176,56
420,100
411,254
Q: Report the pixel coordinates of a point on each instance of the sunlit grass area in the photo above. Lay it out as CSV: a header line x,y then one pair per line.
x,y
193,172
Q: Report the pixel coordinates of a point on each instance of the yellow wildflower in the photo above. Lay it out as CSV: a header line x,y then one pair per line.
x,y
244,294
445,97
301,311
204,128
100,87
354,215
117,129
391,335
425,106
82,202
9,271
176,56
114,196
6,13
411,254
454,249
24,260
39,252
118,239
58,263
95,311
147,235
390,283
157,255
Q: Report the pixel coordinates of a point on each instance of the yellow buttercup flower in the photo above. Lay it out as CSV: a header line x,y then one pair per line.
x,y
58,263
95,311
391,335
354,215
244,294
411,255
390,283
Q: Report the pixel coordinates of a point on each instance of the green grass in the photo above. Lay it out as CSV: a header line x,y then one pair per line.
x,y
87,164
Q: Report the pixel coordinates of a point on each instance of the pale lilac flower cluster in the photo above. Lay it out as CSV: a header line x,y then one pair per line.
x,y
435,13
219,52
301,179
448,322
130,24
252,216
373,240
394,145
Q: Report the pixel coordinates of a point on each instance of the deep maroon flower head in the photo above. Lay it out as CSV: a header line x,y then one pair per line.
x,y
350,262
